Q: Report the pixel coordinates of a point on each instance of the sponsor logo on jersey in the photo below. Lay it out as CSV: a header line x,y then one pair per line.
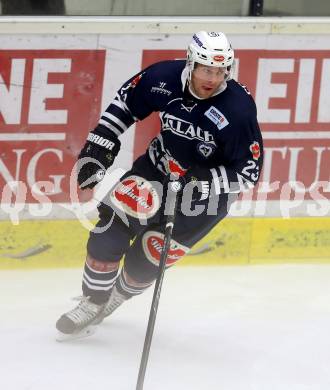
x,y
206,150
184,128
153,242
255,150
136,197
161,89
217,117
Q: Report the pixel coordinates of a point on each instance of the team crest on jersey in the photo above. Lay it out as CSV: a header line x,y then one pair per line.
x,y
255,150
217,117
206,150
153,242
136,197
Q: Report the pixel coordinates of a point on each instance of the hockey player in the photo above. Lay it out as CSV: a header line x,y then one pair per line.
x,y
209,136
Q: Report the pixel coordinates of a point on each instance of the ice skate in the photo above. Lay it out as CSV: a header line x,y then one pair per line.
x,y
115,300
85,332
79,322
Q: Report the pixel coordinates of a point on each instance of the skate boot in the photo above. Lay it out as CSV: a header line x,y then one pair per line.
x,y
115,300
79,321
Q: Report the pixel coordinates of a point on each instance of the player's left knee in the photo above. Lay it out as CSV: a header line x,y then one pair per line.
x,y
142,259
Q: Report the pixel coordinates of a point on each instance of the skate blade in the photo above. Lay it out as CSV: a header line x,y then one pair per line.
x,y
63,337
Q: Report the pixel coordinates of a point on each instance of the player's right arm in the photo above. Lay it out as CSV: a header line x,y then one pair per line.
x,y
132,103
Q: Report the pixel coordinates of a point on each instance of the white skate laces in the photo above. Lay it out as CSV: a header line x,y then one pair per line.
x,y
80,317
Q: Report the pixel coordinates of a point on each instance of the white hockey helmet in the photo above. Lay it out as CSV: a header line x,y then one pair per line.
x,y
210,48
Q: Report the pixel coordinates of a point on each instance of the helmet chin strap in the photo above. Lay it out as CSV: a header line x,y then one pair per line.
x,y
186,80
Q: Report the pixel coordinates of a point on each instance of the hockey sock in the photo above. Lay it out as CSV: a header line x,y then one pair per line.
x,y
129,289
98,279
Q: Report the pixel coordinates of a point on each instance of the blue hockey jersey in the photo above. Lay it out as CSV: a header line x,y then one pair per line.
x,y
217,138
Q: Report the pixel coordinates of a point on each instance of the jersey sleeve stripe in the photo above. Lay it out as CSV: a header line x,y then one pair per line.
x,y
216,181
119,103
225,180
244,183
121,114
110,127
115,120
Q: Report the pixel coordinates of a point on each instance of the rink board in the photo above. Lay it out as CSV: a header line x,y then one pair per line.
x,y
235,241
87,59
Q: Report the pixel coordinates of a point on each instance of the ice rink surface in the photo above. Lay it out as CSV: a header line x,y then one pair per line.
x,y
218,328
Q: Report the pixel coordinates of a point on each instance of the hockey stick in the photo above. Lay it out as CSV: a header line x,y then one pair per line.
x,y
172,189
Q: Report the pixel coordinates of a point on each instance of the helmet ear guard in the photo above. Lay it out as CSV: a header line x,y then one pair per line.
x,y
228,72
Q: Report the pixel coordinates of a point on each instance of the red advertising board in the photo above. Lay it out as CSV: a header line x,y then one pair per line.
x,y
50,99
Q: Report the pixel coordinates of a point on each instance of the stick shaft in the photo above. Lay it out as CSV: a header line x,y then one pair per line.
x,y
156,295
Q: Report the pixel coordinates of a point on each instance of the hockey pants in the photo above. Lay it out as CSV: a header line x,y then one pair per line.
x,y
131,225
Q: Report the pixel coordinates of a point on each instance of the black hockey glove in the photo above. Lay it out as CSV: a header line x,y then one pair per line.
x,y
97,155
197,182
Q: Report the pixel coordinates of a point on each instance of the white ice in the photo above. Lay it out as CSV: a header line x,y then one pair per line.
x,y
218,328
